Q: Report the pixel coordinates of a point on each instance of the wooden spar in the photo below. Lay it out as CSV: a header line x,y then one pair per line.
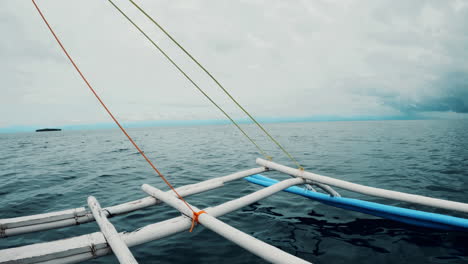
x,y
75,249
113,238
372,191
85,216
255,246
40,222
238,203
326,189
41,218
46,226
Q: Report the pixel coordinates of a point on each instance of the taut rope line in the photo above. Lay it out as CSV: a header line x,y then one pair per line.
x,y
219,85
195,214
190,79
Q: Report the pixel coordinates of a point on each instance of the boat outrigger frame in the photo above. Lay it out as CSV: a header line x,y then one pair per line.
x,y
107,241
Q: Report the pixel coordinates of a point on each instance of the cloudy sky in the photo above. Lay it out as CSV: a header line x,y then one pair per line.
x,y
367,58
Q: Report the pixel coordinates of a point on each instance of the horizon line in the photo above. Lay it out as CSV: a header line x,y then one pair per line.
x,y
203,122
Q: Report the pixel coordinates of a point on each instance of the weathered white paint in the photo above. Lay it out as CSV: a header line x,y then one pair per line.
x,y
119,248
377,192
39,222
42,218
240,202
255,246
42,252
77,249
327,189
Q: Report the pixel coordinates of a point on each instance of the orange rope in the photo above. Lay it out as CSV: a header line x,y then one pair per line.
x,y
195,218
195,215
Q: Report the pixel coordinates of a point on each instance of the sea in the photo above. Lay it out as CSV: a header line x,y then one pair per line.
x,y
51,171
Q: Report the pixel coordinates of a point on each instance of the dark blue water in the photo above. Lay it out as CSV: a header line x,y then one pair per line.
x,y
43,172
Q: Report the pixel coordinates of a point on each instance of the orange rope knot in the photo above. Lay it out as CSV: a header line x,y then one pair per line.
x,y
195,218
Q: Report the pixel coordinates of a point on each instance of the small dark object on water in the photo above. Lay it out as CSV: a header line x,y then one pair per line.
x,y
48,129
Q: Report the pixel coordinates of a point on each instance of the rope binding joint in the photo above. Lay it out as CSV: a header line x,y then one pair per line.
x,y
195,218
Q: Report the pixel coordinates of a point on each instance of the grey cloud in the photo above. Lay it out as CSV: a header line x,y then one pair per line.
x,y
444,104
451,95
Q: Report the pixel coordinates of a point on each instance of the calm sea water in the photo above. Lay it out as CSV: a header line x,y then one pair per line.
x,y
44,172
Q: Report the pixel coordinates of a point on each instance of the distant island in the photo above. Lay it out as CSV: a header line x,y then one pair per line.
x,y
48,129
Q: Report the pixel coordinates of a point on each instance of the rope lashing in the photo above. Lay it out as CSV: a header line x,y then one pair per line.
x,y
290,156
195,218
189,79
107,109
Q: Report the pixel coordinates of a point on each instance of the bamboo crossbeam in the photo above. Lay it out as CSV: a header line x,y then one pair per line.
x,y
261,194
85,247
255,246
40,222
372,191
119,248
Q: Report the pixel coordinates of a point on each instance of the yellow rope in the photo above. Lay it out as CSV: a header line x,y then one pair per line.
x,y
188,78
219,85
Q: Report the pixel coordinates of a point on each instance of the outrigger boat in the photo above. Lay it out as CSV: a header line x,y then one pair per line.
x,y
109,241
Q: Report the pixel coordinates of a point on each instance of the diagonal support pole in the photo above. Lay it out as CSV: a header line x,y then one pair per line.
x,y
120,249
255,246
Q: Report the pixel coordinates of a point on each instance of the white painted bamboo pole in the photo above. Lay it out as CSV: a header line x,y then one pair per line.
x,y
327,189
42,218
255,246
119,248
40,222
85,247
46,226
84,216
79,257
240,202
377,192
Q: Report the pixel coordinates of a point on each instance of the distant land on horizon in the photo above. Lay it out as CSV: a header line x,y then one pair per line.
x,y
48,129
169,123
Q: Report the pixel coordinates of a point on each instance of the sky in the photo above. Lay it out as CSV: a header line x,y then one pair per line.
x,y
367,59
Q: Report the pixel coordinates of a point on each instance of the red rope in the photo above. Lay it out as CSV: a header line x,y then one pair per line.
x,y
111,115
